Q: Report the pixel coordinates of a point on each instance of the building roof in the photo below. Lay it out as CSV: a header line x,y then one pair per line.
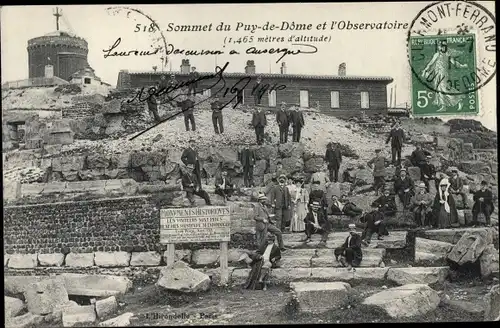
x,y
386,79
61,33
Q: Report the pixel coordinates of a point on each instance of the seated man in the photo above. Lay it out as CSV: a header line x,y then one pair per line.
x,y
350,252
192,186
374,222
317,222
404,188
386,204
483,203
261,263
344,207
223,185
422,206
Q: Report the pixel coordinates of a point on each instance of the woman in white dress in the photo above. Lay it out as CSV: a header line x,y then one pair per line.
x,y
300,199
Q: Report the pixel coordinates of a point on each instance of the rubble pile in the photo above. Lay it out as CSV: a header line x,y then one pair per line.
x,y
35,98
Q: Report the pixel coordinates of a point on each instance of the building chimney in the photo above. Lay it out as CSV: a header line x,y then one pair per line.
x,y
283,68
49,71
185,66
342,69
250,68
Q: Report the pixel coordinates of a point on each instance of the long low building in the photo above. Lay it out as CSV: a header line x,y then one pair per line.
x,y
329,93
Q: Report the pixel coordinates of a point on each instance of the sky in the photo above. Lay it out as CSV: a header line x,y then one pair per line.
x,y
366,53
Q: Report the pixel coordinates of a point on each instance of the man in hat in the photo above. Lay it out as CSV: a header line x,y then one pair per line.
x,y
257,91
259,122
350,254
457,187
281,201
187,107
247,158
191,184
422,206
223,185
396,137
318,194
264,224
152,102
193,78
297,120
483,203
217,119
377,164
404,187
172,82
427,171
317,222
386,203
333,157
261,262
344,207
374,223
283,122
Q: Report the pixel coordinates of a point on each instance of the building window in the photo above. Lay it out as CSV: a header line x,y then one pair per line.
x,y
207,92
272,98
86,80
304,98
335,99
365,100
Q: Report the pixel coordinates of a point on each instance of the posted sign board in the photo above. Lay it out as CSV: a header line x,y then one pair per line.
x,y
195,225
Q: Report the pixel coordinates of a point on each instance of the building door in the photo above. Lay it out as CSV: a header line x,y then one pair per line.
x,y
304,98
365,100
272,98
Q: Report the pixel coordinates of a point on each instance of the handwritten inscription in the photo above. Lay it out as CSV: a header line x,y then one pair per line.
x,y
109,53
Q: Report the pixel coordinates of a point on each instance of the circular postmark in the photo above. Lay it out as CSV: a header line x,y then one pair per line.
x,y
158,39
452,51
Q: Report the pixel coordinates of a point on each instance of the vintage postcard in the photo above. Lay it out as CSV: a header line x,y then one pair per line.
x,y
249,164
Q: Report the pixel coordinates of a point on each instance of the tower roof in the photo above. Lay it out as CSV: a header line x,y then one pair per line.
x,y
61,33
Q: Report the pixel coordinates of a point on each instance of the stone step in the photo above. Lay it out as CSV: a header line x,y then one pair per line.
x,y
322,252
452,235
395,240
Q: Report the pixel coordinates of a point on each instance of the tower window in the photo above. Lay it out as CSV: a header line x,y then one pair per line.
x,y
86,80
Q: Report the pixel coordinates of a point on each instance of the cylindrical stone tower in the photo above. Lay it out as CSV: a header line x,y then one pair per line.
x,y
67,53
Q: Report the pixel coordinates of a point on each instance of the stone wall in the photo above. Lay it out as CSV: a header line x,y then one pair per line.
x,y
125,224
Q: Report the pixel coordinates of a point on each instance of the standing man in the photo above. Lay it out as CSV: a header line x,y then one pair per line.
x,y
377,164
187,107
280,199
457,187
259,122
334,158
297,120
172,82
257,93
283,123
247,160
190,156
193,78
264,224
483,203
396,137
217,115
191,184
163,82
153,107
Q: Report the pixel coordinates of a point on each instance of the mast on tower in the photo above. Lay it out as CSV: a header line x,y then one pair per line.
x,y
57,14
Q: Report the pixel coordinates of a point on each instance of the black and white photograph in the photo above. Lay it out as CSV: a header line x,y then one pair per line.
x,y
249,164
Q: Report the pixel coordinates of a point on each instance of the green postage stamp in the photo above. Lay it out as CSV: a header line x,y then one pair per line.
x,y
444,78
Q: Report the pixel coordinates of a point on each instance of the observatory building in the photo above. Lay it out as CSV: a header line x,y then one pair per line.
x,y
60,51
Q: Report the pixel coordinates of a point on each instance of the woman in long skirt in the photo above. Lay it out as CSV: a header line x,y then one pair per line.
x,y
445,211
300,201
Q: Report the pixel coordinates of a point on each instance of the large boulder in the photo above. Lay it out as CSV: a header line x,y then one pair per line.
x,y
23,261
314,164
317,297
78,316
266,152
95,285
26,320
13,306
203,257
492,302
45,296
180,277
292,165
106,307
260,167
418,275
51,260
475,167
145,259
123,320
364,177
80,260
414,173
112,259
405,301
470,246
98,161
489,261
291,150
431,250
